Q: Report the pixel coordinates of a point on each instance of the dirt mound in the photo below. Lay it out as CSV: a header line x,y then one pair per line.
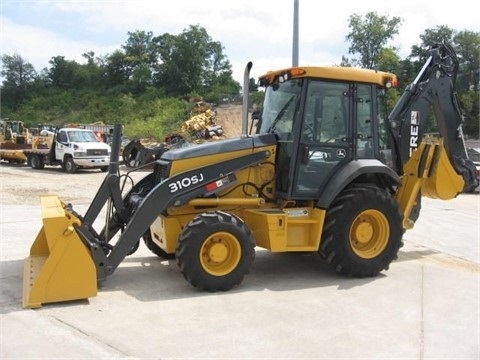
x,y
230,118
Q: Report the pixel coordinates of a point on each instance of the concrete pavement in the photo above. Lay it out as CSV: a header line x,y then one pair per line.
x,y
291,306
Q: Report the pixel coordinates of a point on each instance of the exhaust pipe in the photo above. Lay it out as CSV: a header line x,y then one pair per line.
x,y
246,83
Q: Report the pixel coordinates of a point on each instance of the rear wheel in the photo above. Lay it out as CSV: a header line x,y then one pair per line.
x,y
363,232
215,251
36,162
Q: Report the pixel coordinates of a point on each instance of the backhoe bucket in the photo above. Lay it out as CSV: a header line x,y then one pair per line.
x,y
442,182
60,266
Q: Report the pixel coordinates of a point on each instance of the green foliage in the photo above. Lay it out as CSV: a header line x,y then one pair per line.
x,y
257,98
252,85
20,77
388,60
439,34
138,85
470,104
166,117
466,44
368,36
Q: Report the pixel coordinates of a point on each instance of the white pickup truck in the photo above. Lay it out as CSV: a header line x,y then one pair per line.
x,y
73,149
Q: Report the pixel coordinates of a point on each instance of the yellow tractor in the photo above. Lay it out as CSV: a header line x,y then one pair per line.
x,y
327,171
14,137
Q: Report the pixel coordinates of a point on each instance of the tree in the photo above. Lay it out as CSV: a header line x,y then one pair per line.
x,y
92,71
116,72
64,74
368,36
467,47
388,60
184,57
252,85
19,75
17,71
439,34
140,58
192,62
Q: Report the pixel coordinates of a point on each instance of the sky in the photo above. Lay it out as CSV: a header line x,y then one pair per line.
x,y
259,31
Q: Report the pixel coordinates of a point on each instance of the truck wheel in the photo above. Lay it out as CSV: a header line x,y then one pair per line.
x,y
363,232
154,248
215,251
104,168
36,162
70,166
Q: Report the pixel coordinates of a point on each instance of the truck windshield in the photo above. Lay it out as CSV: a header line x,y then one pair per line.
x,y
279,106
81,136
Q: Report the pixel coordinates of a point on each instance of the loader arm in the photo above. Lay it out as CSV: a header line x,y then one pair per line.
x,y
144,209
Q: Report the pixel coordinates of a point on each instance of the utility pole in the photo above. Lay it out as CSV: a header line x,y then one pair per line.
x,y
295,34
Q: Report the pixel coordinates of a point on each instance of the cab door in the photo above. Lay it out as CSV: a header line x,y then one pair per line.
x,y
325,142
60,144
365,117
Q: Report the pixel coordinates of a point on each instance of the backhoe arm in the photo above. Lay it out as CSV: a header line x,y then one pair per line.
x,y
436,167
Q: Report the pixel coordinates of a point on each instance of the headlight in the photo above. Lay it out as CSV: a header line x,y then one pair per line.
x,y
79,154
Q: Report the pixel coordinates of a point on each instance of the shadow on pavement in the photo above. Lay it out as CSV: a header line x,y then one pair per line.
x,y
150,278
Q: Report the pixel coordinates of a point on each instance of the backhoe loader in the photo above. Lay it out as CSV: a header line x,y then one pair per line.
x,y
328,170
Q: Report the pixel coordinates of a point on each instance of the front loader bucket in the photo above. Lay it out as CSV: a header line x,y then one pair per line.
x,y
60,267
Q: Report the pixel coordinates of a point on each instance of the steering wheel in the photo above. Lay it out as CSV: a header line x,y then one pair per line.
x,y
308,132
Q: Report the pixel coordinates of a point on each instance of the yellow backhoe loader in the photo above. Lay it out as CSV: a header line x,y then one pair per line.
x,y
328,170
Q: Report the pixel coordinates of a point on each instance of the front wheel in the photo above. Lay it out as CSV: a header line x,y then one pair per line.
x,y
363,232
215,251
69,165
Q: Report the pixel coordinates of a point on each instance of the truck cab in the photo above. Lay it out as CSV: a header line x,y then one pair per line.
x,y
72,149
80,148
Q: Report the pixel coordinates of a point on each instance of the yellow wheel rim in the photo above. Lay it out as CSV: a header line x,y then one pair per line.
x,y
369,234
220,254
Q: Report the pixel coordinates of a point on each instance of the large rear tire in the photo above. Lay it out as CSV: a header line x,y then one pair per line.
x,y
215,251
363,232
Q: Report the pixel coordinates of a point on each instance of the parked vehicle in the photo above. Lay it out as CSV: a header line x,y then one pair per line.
x,y
14,137
72,149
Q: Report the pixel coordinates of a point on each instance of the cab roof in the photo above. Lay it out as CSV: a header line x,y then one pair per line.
x,y
341,73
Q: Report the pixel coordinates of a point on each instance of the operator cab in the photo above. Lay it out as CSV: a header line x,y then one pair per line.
x,y
322,125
